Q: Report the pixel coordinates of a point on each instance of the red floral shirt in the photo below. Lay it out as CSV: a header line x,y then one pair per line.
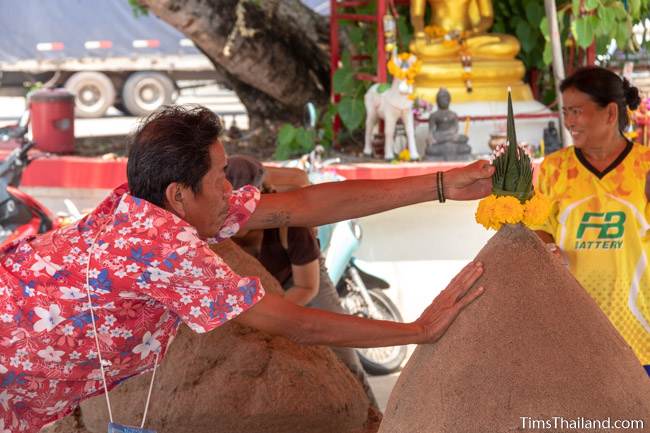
x,y
148,271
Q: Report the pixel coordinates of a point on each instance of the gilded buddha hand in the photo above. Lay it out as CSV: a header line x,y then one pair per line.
x,y
459,26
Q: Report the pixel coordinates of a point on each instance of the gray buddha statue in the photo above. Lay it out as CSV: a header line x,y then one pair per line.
x,y
552,141
444,143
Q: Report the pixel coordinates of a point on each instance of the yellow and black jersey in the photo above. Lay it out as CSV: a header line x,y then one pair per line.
x,y
601,221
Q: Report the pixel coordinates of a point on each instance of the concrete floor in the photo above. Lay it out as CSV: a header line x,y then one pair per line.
x,y
382,386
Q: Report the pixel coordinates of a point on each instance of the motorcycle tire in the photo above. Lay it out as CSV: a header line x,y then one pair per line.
x,y
380,361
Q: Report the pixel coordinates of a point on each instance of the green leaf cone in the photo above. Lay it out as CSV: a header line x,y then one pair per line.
x,y
514,173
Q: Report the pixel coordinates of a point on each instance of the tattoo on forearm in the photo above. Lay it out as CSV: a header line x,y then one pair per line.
x,y
278,219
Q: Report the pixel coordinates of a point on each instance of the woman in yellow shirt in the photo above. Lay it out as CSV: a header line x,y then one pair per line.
x,y
600,216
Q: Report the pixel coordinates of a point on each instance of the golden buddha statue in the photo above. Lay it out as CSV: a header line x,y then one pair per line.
x,y
458,53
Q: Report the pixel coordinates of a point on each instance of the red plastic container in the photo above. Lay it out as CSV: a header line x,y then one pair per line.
x,y
52,120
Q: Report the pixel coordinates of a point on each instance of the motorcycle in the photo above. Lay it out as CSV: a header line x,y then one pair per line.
x,y
361,293
21,215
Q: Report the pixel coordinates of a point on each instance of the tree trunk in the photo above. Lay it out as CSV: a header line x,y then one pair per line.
x,y
273,53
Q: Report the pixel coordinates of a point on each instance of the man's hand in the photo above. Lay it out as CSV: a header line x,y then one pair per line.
x,y
447,305
277,316
471,182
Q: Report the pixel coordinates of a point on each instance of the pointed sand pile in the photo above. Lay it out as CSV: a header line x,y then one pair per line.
x,y
534,345
237,380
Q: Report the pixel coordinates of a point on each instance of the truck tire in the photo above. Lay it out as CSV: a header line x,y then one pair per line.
x,y
144,92
94,93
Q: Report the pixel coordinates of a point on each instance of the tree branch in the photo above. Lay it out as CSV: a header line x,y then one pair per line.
x,y
275,55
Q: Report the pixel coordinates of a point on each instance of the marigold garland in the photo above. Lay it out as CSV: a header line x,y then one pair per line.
x,y
485,213
537,210
435,31
495,211
405,74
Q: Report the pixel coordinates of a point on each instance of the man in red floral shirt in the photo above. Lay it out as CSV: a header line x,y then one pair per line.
x,y
142,259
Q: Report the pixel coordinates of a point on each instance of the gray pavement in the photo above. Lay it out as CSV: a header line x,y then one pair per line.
x,y
382,386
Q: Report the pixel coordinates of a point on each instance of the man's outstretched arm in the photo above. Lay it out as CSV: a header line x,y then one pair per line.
x,y
331,202
277,316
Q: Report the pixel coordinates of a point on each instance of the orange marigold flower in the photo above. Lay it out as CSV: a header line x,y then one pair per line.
x,y
508,209
537,210
485,213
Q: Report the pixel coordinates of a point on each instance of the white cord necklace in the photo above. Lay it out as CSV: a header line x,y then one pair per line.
x,y
99,353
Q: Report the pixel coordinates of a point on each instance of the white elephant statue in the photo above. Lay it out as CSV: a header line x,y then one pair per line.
x,y
391,105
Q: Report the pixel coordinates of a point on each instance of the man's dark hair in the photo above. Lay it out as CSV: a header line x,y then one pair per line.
x,y
603,87
171,145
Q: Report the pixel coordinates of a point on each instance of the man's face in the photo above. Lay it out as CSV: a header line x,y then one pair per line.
x,y
207,209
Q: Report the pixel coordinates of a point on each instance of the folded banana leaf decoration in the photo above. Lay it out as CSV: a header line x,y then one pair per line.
x,y
514,172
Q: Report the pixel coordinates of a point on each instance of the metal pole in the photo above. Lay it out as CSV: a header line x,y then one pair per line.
x,y
558,63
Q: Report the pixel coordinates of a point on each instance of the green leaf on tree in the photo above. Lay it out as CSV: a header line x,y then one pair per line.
x,y
548,53
590,5
355,34
545,29
346,60
138,9
344,81
351,112
284,148
606,16
524,34
304,140
561,17
327,123
622,35
403,32
286,134
602,43
293,141
583,31
575,7
619,11
534,13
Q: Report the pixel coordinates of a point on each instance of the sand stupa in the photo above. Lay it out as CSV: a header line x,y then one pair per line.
x,y
237,380
533,345
534,352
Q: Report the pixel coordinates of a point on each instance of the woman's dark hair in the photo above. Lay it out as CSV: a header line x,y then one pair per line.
x,y
171,145
245,170
603,87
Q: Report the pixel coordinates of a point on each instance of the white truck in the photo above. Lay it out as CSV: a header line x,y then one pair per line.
x,y
100,51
